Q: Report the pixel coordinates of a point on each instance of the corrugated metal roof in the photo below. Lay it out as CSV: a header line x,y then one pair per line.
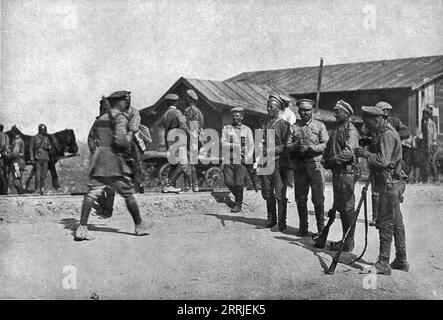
x,y
384,74
251,96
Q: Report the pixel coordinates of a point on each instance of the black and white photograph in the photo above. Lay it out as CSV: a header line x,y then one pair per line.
x,y
239,152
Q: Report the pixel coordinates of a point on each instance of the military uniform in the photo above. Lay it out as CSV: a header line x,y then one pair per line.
x,y
238,141
339,157
430,151
193,114
385,165
39,154
105,201
109,168
4,151
308,171
274,185
17,157
174,119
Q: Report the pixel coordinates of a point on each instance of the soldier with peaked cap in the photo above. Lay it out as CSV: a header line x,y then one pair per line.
x,y
274,185
286,113
174,119
339,157
195,122
238,145
403,132
109,168
306,144
39,155
385,163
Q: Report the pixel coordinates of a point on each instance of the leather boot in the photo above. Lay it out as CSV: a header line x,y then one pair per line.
x,y
382,266
400,262
302,209
272,215
282,207
320,217
238,193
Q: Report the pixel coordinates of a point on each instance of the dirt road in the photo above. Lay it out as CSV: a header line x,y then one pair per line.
x,y
197,249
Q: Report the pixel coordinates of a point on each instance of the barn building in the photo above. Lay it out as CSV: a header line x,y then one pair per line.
x,y
409,85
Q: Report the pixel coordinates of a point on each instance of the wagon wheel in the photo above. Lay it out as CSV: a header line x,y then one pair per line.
x,y
214,178
163,175
151,175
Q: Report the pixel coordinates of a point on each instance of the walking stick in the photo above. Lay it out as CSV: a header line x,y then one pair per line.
x,y
336,258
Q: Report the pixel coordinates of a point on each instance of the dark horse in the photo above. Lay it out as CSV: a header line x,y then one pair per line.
x,y
63,144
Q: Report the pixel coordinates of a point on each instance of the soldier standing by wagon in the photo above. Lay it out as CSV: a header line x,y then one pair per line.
x,y
194,117
174,119
339,157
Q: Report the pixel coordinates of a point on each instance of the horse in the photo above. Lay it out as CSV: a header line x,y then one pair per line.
x,y
414,157
63,144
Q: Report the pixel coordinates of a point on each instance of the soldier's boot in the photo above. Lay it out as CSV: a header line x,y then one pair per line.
x,y
141,227
238,193
382,266
272,214
349,241
108,202
320,218
281,224
375,203
302,209
400,262
82,232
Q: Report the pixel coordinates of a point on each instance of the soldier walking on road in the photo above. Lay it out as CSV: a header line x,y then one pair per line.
x,y
109,168
174,119
237,138
106,199
307,143
274,185
339,157
39,148
385,163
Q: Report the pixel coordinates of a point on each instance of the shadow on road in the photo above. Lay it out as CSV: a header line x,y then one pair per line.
x,y
72,223
305,242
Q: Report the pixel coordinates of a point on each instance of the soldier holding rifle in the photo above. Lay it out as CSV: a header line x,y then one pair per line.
x,y
339,157
385,163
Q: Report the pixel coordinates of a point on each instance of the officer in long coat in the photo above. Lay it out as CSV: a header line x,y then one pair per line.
x,y
109,168
39,148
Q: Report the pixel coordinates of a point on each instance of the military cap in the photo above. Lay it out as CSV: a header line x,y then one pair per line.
x,y
120,95
305,104
275,97
171,96
372,111
285,98
238,109
344,106
383,105
192,95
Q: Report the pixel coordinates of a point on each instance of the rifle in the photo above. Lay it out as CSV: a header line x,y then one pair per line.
x,y
320,240
362,201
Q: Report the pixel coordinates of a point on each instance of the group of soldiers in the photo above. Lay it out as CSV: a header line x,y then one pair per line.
x,y
305,148
12,160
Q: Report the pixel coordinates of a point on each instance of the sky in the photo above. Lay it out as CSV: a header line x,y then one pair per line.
x,y
59,57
